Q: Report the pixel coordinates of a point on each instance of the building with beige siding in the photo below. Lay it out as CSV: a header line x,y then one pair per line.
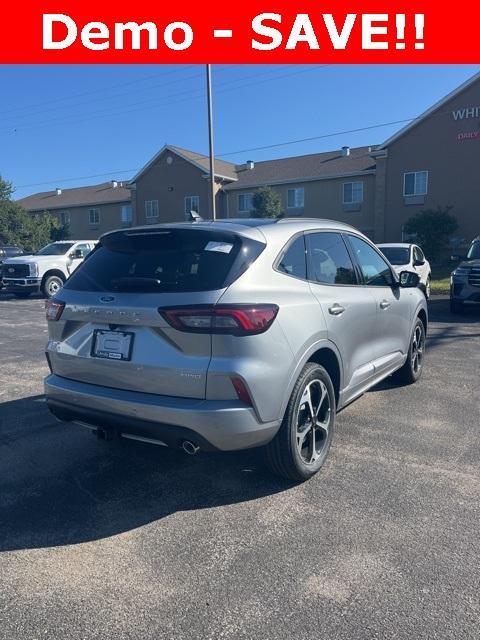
x,y
431,162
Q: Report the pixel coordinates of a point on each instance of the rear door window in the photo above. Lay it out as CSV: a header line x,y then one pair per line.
x,y
328,259
171,260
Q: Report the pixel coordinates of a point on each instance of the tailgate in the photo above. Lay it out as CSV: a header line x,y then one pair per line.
x,y
162,360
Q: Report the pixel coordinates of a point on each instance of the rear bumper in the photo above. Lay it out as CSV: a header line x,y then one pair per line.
x,y
22,284
224,425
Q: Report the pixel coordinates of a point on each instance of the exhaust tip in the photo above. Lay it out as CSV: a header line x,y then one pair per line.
x,y
190,448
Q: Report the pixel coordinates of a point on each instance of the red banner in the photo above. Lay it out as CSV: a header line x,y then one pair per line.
x,y
260,31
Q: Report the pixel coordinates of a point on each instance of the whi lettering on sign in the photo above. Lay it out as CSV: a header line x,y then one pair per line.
x,y
468,112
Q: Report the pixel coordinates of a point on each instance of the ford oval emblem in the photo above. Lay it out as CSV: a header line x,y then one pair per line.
x,y
107,299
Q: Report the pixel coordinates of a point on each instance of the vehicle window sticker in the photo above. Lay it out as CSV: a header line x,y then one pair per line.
x,y
221,247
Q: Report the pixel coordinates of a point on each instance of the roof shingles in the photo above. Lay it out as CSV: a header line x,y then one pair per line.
x,y
222,168
301,168
103,193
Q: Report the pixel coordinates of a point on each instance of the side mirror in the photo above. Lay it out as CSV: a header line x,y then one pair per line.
x,y
418,263
77,254
409,280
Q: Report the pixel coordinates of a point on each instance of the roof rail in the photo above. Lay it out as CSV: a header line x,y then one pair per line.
x,y
302,219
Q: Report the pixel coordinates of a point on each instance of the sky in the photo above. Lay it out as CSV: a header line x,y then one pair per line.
x,y
71,125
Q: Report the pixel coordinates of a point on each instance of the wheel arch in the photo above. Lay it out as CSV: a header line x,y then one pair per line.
x,y
422,314
328,359
326,354
53,272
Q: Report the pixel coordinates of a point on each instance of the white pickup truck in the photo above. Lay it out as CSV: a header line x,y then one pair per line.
x,y
45,271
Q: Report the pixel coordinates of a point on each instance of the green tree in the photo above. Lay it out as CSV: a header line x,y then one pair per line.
x,y
432,228
266,203
17,227
6,189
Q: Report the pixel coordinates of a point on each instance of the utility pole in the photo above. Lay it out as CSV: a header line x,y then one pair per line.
x,y
210,140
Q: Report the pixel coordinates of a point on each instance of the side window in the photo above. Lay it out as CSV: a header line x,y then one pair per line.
x,y
375,270
293,261
418,254
328,259
84,248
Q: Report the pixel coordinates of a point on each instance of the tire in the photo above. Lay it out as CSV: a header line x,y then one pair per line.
x,y
22,294
298,451
413,367
51,285
456,307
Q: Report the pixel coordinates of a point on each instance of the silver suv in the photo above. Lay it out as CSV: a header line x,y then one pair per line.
x,y
231,334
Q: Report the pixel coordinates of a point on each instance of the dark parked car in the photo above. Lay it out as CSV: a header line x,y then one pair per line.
x,y
465,280
8,252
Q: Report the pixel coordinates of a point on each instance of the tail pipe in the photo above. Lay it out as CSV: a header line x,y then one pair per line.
x,y
190,448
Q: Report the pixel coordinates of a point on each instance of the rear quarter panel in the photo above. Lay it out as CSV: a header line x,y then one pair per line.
x,y
269,362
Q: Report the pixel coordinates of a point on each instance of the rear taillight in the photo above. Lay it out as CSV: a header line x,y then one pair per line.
x,y
241,390
54,309
49,362
242,320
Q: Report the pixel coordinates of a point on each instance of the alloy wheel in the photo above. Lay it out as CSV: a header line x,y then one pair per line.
x,y
313,421
418,346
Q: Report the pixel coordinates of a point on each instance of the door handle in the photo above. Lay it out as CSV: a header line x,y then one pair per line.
x,y
384,304
336,309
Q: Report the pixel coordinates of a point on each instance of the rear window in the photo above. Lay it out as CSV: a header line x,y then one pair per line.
x,y
396,255
173,260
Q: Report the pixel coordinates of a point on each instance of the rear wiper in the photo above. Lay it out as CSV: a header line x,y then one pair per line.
x,y
129,283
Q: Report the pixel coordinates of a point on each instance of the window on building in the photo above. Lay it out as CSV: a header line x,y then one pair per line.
x,y
293,259
151,208
64,217
415,183
375,271
94,217
192,203
328,259
126,214
245,202
352,192
296,198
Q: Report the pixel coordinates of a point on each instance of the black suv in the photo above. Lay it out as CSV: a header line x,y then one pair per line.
x,y
465,280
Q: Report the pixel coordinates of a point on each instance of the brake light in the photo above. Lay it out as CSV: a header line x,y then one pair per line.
x,y
49,362
244,319
54,309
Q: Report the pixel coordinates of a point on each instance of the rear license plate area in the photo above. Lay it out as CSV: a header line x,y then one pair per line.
x,y
112,345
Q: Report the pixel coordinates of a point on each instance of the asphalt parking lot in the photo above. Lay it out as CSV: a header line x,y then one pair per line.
x,y
125,540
